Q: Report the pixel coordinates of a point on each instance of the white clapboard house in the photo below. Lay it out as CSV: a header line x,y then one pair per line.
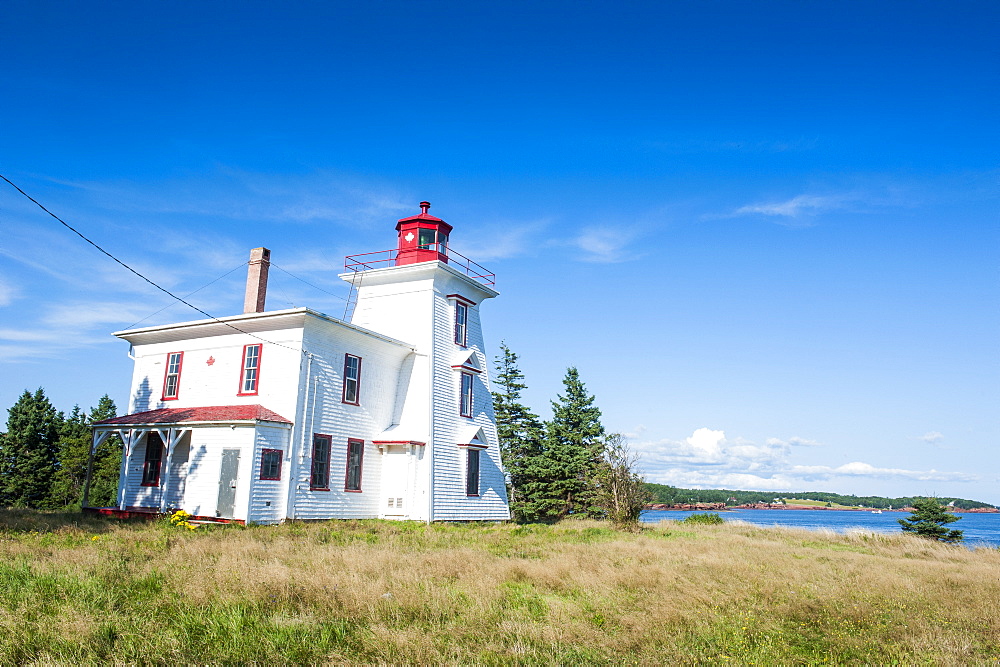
x,y
293,414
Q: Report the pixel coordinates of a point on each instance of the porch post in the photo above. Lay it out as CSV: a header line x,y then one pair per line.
x,y
126,437
167,436
96,440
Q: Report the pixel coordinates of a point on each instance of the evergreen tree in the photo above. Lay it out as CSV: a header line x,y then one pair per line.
x,y
28,458
521,434
572,452
73,450
929,519
107,458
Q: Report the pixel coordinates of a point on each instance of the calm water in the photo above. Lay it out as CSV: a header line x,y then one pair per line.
x,y
980,529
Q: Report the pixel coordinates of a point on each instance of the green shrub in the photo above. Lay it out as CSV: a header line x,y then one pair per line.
x,y
708,519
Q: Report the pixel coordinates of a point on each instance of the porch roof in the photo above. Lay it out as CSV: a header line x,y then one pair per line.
x,y
216,413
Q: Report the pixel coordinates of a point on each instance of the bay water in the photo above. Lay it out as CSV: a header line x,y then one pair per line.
x,y
980,530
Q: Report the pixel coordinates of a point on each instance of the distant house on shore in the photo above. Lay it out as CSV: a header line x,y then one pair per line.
x,y
293,414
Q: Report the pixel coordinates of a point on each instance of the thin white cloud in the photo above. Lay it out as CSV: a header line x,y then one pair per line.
x,y
795,207
7,292
794,441
501,239
932,437
605,245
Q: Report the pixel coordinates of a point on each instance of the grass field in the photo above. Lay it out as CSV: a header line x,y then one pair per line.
x,y
76,589
818,503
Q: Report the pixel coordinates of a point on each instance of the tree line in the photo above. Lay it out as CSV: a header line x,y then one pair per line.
x,y
567,465
44,455
663,493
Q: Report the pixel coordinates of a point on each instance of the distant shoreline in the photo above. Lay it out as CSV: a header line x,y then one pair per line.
x,y
722,507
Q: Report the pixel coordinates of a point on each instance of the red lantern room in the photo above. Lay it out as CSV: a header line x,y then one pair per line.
x,y
422,238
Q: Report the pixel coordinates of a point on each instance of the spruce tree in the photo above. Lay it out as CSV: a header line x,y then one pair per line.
x,y
520,433
73,450
107,458
929,519
573,452
28,457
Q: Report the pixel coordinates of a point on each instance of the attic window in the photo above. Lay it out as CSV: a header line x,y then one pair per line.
x,y
172,376
250,374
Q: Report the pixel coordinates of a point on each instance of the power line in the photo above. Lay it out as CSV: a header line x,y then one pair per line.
x,y
130,269
307,282
189,294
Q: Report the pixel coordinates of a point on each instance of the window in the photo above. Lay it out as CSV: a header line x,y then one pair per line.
x,y
172,377
425,237
461,323
355,455
154,457
352,379
465,400
250,376
472,472
270,464
319,480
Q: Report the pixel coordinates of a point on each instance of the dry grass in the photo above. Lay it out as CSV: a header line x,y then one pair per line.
x,y
369,591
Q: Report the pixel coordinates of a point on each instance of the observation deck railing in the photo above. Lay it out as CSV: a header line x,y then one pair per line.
x,y
386,258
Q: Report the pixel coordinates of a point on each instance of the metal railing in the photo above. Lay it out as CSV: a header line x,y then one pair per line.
x,y
386,258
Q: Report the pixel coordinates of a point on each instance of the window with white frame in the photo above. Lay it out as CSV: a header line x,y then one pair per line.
x,y
472,471
172,376
461,323
465,397
352,379
250,374
355,457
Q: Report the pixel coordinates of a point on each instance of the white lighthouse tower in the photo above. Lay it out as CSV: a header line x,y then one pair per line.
x,y
428,295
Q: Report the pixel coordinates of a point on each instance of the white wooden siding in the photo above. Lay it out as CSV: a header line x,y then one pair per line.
x,y
267,497
381,363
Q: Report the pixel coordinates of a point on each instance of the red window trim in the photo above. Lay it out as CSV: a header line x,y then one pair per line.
x,y
472,445
459,297
329,456
243,370
470,369
145,460
465,325
461,395
479,472
361,465
343,389
166,374
280,454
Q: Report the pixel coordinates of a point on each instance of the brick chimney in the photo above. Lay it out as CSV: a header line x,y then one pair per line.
x,y
260,260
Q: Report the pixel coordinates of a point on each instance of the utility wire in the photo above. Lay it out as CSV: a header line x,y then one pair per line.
x,y
189,294
130,269
273,265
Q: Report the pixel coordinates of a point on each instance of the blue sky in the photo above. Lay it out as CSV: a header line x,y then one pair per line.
x,y
766,233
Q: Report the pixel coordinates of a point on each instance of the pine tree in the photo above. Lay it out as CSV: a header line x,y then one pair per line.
x,y
107,458
28,458
521,434
572,452
929,519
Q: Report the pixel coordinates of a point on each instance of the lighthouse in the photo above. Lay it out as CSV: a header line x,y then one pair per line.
x,y
267,416
430,296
